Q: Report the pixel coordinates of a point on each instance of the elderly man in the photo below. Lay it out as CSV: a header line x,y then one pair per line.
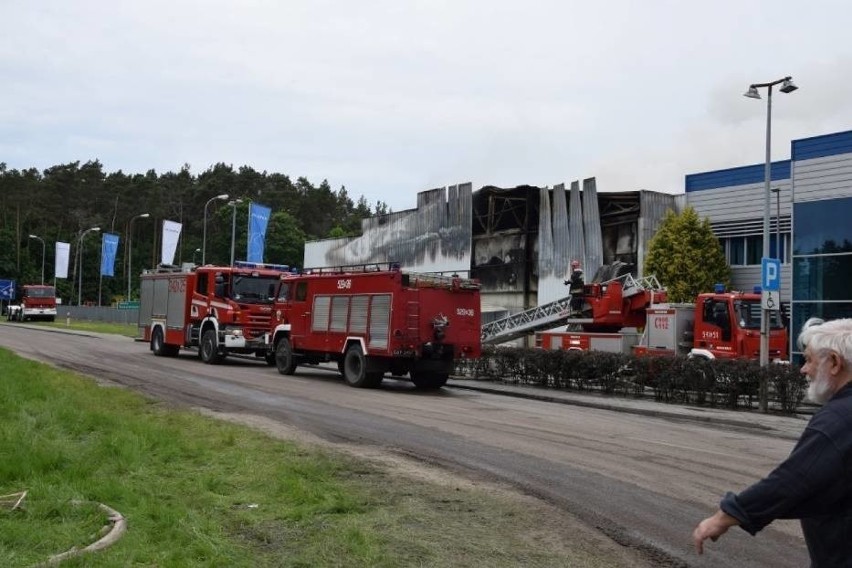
x,y
814,484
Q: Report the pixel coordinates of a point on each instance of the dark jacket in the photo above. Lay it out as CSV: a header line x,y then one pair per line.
x,y
813,484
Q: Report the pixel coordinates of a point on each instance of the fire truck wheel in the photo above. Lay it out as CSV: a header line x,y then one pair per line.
x,y
429,381
284,358
209,348
355,367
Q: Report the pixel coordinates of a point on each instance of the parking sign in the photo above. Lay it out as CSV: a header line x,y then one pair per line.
x,y
770,274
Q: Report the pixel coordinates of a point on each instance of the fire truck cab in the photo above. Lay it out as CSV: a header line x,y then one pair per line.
x,y
218,309
721,325
37,302
374,319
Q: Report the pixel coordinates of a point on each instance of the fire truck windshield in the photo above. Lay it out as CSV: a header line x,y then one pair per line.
x,y
254,289
748,312
41,292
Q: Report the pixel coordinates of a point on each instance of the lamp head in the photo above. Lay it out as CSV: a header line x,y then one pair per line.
x,y
752,93
34,237
144,215
95,229
788,86
222,196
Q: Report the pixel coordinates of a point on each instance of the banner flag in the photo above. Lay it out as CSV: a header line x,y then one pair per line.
x,y
109,248
171,235
62,254
258,221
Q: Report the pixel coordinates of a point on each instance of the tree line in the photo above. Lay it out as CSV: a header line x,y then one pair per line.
x,y
60,203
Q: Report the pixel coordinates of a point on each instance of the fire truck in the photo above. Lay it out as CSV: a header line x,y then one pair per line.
x,y
375,319
719,325
37,302
218,309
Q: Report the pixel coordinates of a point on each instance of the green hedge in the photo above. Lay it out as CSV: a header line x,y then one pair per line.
x,y
731,383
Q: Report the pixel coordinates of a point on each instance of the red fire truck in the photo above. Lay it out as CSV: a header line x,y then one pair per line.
x,y
721,325
376,319
37,302
218,309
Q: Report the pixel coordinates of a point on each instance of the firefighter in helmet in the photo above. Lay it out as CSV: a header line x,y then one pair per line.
x,y
575,286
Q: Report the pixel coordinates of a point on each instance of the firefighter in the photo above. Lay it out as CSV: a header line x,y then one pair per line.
x,y
575,286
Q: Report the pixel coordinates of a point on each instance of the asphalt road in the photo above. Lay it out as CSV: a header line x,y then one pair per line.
x,y
643,481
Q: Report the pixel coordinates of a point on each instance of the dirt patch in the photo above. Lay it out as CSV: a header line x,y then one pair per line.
x,y
547,526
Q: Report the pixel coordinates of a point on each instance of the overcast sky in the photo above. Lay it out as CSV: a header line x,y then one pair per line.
x,y
389,98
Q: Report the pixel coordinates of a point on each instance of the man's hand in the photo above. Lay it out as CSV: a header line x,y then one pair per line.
x,y
712,528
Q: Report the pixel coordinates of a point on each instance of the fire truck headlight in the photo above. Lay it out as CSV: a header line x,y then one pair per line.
x,y
236,332
278,314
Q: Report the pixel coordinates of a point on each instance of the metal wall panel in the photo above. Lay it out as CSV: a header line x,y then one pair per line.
x,y
653,207
827,177
553,259
738,202
576,242
434,237
592,228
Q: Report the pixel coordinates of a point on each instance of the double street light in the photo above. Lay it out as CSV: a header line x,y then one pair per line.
x,y
787,86
204,237
80,275
42,256
130,249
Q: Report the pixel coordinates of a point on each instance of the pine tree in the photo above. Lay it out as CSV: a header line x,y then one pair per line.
x,y
686,256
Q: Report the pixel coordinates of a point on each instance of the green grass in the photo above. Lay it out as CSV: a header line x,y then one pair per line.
x,y
202,492
128,330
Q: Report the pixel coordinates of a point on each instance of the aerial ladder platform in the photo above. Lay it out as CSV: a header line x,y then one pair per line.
x,y
613,304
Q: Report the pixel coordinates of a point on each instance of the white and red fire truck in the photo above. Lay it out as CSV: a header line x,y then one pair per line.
x,y
374,319
218,309
719,325
36,302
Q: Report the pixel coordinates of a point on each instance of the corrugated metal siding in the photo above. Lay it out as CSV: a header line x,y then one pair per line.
x,y
553,247
592,228
652,210
576,242
436,236
823,178
745,278
739,202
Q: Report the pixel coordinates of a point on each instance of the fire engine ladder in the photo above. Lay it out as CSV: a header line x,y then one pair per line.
x,y
518,325
554,314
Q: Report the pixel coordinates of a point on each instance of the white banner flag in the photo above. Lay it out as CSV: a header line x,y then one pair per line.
x,y
62,252
171,235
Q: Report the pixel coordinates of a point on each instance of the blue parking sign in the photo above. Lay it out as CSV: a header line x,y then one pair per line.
x,y
7,290
770,274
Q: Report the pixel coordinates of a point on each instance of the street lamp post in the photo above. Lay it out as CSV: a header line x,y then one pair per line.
x,y
233,203
204,237
42,256
778,250
130,249
787,86
196,251
80,275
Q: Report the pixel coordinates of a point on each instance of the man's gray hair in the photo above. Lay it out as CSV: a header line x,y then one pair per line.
x,y
835,335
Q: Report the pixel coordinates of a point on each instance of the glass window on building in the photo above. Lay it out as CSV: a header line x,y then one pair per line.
x,y
822,261
736,251
754,249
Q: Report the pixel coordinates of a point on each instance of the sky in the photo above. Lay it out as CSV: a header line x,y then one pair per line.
x,y
390,98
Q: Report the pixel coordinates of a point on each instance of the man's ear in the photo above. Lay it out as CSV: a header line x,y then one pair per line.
x,y
836,363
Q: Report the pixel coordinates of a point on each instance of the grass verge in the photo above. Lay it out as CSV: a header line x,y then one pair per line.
x,y
127,330
202,492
